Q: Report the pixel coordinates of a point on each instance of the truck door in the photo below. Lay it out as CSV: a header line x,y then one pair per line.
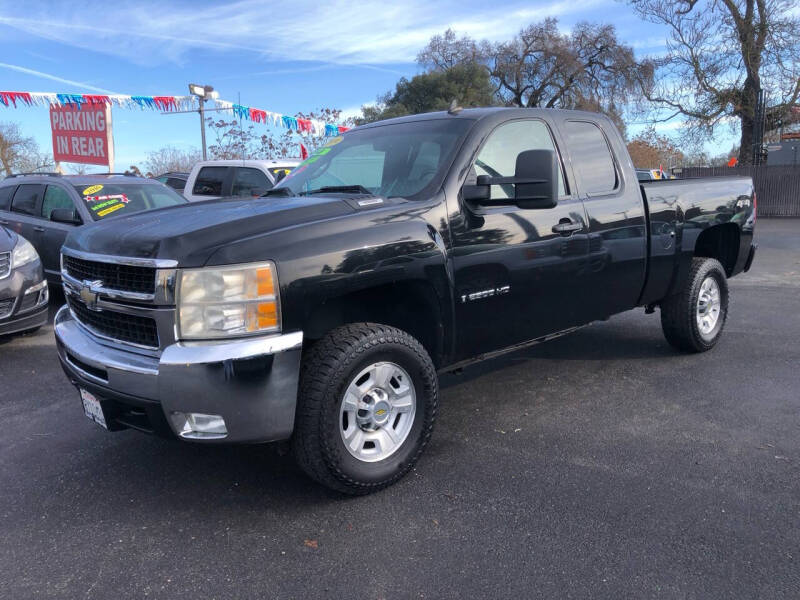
x,y
617,232
517,271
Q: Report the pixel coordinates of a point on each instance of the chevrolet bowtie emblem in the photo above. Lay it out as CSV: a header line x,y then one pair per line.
x,y
89,292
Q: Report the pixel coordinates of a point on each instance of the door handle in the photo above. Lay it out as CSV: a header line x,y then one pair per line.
x,y
38,228
567,226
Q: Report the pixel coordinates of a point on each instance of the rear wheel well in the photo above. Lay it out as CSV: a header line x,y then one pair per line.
x,y
411,306
720,242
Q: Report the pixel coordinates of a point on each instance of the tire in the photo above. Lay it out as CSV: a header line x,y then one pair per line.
x,y
686,318
376,357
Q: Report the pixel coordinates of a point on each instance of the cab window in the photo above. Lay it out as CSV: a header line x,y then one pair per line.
x,y
591,158
498,157
246,181
25,199
209,181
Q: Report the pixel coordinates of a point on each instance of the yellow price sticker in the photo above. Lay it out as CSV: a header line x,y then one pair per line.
x,y
92,189
110,209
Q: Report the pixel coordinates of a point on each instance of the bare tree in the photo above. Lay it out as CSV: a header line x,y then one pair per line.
x,y
541,67
720,53
170,158
20,154
232,140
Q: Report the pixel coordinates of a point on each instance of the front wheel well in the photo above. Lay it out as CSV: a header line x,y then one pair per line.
x,y
720,242
411,306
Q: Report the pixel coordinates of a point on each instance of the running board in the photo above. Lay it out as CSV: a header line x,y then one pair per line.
x,y
495,353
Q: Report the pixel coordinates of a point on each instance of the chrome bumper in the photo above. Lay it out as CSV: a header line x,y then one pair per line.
x,y
251,383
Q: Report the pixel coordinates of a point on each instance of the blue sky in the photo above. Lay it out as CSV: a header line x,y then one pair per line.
x,y
275,55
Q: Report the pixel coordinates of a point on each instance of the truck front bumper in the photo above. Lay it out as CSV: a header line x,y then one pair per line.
x,y
251,383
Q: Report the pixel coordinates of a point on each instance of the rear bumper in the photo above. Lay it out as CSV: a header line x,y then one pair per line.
x,y
750,257
251,383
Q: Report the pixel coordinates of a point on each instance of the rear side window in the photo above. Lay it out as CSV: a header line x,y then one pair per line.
x,y
5,196
246,181
591,158
209,181
55,197
26,198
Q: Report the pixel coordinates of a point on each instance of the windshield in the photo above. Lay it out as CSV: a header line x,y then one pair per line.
x,y
105,200
391,160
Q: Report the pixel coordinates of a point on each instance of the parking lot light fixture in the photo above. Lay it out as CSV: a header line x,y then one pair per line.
x,y
203,93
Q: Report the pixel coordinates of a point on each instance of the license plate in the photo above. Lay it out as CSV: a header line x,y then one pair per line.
x,y
92,408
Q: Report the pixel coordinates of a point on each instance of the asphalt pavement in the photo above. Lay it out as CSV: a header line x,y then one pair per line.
x,y
599,465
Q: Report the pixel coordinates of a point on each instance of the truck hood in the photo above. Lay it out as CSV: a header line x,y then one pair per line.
x,y
190,233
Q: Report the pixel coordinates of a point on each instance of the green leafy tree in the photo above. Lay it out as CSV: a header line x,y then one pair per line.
x,y
467,83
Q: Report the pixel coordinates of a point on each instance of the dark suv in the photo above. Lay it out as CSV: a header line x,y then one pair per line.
x,y
45,207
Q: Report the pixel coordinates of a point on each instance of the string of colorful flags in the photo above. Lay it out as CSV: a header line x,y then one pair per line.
x,y
171,104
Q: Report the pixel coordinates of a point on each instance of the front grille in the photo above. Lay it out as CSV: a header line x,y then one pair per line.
x,y
115,325
5,264
125,278
6,306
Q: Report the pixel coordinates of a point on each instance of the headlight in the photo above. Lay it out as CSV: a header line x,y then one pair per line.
x,y
24,252
221,302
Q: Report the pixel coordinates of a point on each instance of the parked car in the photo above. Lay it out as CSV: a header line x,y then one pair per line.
x,y
174,179
45,207
323,312
23,288
211,179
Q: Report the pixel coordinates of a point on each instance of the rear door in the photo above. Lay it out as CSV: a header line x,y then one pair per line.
x,y
617,232
24,215
52,238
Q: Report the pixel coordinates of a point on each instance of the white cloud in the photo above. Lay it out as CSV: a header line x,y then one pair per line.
x,y
338,31
43,75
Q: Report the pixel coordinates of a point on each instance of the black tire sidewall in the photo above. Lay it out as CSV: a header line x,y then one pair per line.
x,y
337,456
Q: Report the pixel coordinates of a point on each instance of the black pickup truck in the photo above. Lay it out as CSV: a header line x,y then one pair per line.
x,y
322,312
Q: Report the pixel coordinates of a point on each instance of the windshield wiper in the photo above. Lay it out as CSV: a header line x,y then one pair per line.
x,y
339,189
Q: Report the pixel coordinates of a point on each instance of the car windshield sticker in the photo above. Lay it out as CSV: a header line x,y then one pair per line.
x,y
92,189
115,197
110,209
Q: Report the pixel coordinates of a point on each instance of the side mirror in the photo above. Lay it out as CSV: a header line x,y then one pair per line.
x,y
536,177
534,184
65,215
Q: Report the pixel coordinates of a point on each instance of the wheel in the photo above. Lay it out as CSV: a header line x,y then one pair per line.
x,y
693,318
366,406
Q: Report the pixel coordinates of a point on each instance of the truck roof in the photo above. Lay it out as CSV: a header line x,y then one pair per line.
x,y
76,179
475,114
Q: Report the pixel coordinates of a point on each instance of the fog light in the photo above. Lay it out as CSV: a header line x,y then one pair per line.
x,y
199,426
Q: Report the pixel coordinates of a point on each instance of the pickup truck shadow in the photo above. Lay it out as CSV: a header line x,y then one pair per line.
x,y
596,342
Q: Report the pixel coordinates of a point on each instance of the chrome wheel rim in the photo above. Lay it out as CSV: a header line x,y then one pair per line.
x,y
709,306
377,411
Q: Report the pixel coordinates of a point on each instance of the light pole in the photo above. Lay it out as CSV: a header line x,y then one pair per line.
x,y
203,93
